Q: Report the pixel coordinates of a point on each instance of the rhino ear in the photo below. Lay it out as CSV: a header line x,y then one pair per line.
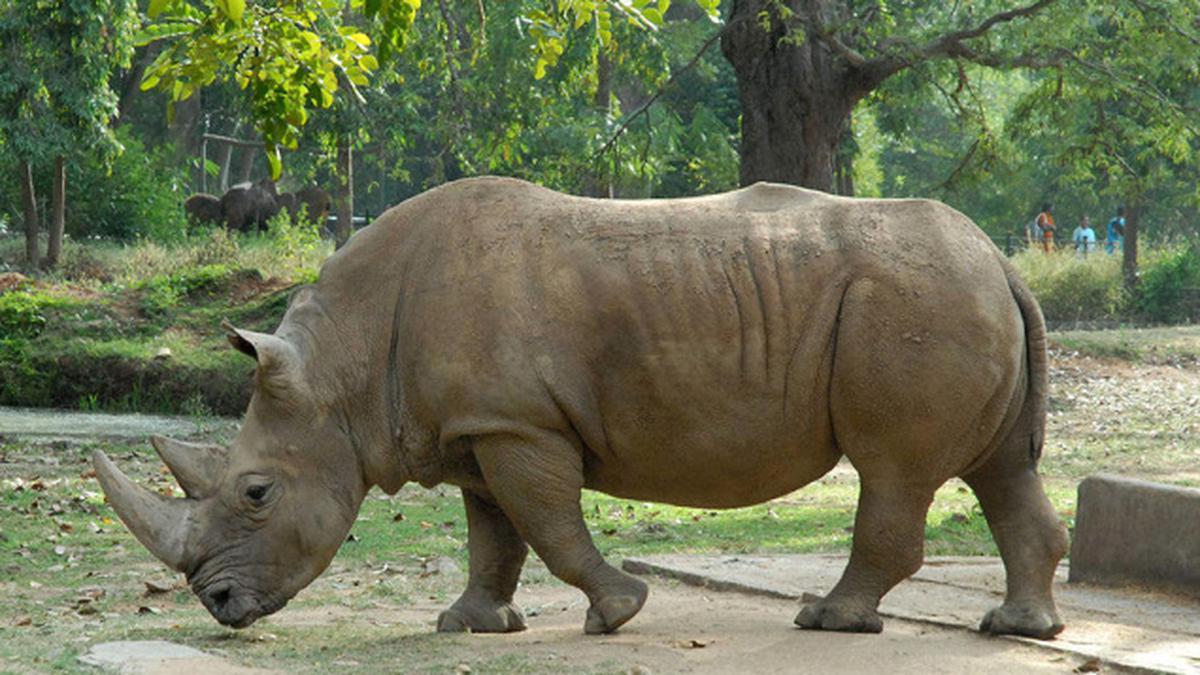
x,y
279,363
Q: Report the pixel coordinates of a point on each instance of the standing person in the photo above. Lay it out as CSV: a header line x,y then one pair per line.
x,y
1045,222
1033,234
1115,237
1084,238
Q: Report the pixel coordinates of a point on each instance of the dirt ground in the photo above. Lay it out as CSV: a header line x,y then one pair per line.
x,y
686,629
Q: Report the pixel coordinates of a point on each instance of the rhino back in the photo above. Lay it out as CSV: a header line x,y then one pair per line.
x,y
663,337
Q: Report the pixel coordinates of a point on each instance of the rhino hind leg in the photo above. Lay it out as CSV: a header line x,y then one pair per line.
x,y
1031,540
888,546
538,482
497,554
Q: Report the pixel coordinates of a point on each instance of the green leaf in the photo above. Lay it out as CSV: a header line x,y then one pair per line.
x,y
156,7
236,9
275,162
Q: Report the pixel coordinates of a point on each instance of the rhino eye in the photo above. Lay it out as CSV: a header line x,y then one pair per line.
x,y
256,493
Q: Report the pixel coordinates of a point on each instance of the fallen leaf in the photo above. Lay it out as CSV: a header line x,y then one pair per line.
x,y
1090,666
24,621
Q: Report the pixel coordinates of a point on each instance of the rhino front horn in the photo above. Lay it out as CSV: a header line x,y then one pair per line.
x,y
160,523
196,466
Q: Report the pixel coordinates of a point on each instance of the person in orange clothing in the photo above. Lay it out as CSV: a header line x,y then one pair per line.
x,y
1045,222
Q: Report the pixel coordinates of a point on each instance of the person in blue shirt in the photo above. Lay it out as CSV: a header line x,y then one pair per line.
x,y
1116,232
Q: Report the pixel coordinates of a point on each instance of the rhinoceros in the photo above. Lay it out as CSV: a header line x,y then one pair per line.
x,y
712,352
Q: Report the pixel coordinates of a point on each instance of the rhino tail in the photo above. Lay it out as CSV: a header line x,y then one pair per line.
x,y
1037,365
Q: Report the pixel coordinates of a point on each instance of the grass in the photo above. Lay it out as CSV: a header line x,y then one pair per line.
x,y
1173,345
136,328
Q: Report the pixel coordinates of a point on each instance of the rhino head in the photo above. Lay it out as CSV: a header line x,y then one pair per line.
x,y
262,517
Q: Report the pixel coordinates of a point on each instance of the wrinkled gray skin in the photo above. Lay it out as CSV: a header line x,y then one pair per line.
x,y
712,352
249,207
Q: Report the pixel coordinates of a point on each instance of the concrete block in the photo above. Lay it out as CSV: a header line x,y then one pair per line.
x,y
1134,532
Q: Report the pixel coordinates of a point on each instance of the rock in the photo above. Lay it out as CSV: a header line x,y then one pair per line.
x,y
164,353
441,565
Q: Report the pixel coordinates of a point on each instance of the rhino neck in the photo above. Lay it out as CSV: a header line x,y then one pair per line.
x,y
342,364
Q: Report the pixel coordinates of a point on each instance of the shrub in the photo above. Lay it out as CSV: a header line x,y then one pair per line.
x,y
1074,289
138,194
1162,280
163,292
22,312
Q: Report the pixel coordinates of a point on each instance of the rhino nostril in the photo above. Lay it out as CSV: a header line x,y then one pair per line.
x,y
219,598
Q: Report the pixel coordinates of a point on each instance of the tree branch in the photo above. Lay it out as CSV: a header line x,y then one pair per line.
x,y
952,45
641,110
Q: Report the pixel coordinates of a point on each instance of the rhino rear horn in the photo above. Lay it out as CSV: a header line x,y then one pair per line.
x,y
196,466
160,523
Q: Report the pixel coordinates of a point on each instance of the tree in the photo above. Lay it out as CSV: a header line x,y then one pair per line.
x,y
54,93
803,66
1124,116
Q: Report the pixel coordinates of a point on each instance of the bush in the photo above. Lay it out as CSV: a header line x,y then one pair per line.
x,y
138,194
1073,289
1162,280
22,312
163,292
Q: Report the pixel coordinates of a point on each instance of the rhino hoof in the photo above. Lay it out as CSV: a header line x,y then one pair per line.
x,y
1017,620
824,615
611,612
475,618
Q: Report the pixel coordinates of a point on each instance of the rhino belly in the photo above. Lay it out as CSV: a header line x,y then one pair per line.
x,y
735,449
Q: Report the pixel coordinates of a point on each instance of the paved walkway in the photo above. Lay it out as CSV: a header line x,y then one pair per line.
x,y
43,424
1139,631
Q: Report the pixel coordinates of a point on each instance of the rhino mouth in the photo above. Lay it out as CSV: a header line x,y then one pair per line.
x,y
237,607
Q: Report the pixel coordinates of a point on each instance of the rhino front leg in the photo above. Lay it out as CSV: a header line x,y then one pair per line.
x,y
496,555
889,546
537,480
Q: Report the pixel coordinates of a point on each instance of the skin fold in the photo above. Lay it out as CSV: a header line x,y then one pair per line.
x,y
714,352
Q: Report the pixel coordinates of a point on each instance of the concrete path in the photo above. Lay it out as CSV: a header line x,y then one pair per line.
x,y
158,657
66,425
1139,631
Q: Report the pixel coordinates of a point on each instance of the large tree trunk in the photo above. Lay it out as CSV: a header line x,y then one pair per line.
x,y
29,203
345,195
58,212
795,98
1129,254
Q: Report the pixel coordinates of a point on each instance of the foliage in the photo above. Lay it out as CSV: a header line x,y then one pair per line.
x,y
296,238
1071,289
22,312
292,56
1163,278
58,56
163,292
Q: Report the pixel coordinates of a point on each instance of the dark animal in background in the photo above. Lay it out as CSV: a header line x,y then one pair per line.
x,y
315,201
203,209
248,207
